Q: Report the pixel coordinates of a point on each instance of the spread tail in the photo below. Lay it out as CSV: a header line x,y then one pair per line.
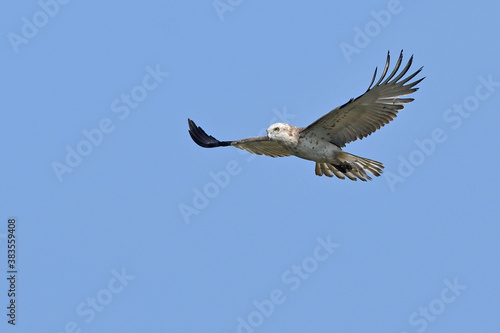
x,y
350,166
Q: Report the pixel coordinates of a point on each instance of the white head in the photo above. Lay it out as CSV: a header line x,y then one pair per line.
x,y
284,133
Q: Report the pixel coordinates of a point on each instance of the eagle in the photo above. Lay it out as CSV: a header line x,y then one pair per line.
x,y
323,140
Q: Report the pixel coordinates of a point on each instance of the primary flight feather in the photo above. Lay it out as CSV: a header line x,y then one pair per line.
x,y
323,140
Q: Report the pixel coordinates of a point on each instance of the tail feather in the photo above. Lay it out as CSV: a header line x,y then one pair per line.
x,y
350,166
336,171
326,170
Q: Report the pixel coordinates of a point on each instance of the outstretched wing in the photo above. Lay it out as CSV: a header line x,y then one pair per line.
x,y
362,116
260,145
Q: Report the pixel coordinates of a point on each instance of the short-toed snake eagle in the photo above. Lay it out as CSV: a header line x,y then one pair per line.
x,y
322,140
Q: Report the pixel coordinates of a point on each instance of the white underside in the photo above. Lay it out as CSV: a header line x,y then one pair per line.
x,y
328,155
316,150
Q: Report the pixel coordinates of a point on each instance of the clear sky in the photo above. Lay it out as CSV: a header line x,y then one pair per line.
x,y
124,224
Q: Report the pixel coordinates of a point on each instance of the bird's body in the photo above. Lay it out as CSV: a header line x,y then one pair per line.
x,y
306,146
315,149
323,140
330,159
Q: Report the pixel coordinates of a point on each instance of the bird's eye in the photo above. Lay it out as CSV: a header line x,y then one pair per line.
x,y
276,129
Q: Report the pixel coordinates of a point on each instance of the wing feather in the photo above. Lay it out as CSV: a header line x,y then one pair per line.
x,y
363,115
260,145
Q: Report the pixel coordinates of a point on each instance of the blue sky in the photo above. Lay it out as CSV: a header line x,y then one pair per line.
x,y
123,224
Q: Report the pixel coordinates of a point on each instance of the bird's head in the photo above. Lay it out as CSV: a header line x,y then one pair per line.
x,y
284,133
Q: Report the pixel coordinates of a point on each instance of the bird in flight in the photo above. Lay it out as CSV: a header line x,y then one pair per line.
x,y
323,140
